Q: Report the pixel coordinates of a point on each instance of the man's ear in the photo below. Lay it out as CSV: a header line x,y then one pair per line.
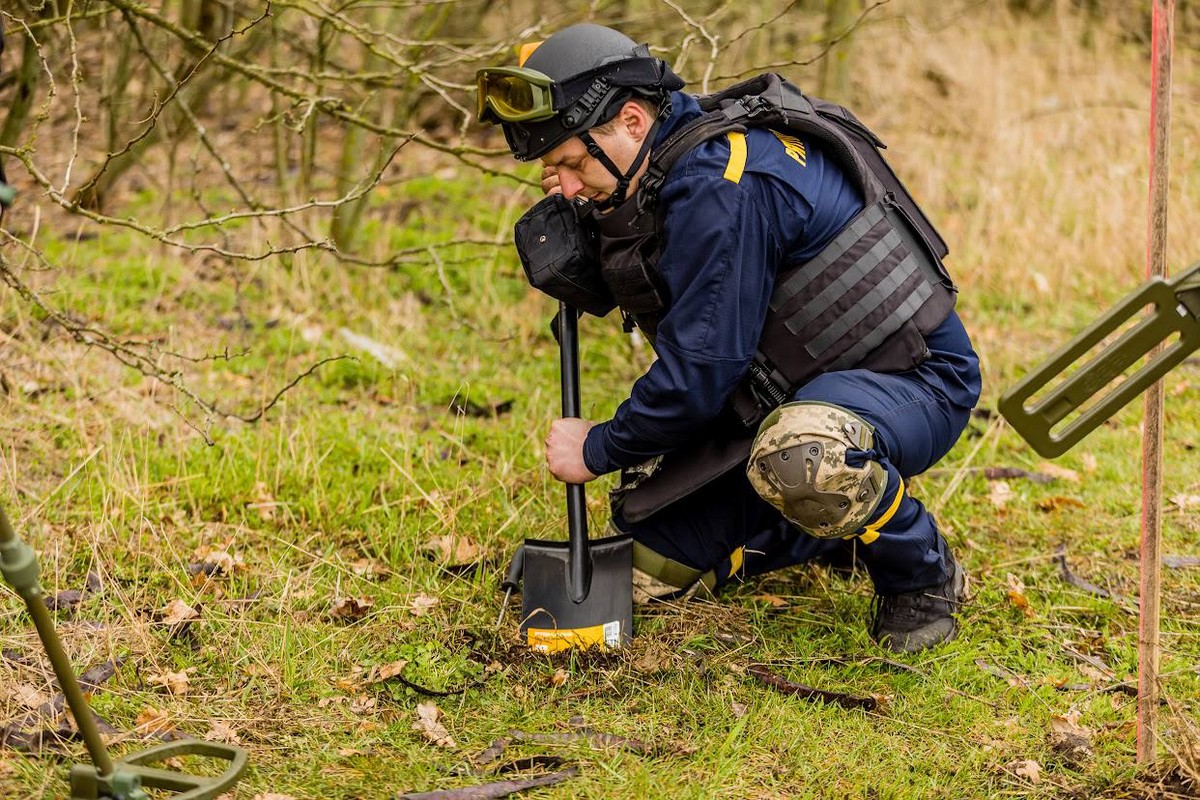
x,y
636,121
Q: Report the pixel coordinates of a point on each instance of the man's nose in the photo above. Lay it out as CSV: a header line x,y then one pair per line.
x,y
570,184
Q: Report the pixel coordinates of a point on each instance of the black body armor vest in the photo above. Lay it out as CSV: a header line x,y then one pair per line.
x,y
866,300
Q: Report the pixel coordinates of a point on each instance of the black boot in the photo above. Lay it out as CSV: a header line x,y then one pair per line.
x,y
914,621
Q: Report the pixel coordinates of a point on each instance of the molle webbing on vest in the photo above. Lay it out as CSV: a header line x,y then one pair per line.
x,y
869,273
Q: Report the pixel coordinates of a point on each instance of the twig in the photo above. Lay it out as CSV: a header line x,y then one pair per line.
x,y
496,789
761,672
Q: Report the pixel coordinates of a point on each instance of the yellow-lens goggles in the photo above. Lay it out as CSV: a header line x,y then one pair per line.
x,y
513,94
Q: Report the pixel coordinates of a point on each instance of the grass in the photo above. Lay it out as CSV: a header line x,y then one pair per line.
x,y
1039,185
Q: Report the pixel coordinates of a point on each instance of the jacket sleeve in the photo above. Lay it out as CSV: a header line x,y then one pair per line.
x,y
718,263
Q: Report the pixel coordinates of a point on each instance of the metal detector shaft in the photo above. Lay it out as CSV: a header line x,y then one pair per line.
x,y
579,565
20,569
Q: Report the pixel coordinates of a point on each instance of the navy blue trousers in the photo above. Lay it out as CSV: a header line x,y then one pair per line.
x,y
917,415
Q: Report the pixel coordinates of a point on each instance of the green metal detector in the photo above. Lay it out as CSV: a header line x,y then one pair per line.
x,y
123,779
1044,422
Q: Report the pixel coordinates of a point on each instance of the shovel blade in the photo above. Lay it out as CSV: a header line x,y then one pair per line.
x,y
552,621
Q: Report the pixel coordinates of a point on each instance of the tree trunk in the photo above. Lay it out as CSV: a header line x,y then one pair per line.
x,y
22,101
840,16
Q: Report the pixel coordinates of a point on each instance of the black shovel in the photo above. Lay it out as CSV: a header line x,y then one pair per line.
x,y
578,593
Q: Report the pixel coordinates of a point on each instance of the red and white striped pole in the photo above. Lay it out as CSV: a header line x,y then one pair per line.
x,y
1162,42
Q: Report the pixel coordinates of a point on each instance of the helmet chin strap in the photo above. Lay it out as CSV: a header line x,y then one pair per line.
x,y
623,179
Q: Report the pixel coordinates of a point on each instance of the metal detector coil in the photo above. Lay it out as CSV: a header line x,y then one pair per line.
x,y
1175,311
123,779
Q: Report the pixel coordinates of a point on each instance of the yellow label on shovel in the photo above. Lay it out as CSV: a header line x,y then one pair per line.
x,y
552,640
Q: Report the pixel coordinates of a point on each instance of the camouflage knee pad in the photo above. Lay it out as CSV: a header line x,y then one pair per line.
x,y
798,465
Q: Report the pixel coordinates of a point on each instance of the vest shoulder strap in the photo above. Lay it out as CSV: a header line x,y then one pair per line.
x,y
770,101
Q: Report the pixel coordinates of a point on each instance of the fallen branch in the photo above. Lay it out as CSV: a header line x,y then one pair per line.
x,y
809,693
495,789
1060,557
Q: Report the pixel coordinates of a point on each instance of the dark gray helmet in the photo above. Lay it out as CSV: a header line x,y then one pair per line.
x,y
593,70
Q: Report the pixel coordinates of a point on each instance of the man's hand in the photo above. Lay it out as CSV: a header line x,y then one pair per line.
x,y
550,180
564,450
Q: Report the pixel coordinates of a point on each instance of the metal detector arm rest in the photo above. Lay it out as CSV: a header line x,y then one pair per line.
x,y
1176,310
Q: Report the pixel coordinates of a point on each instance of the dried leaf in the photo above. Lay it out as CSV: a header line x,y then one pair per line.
x,y
27,696
362,704
222,732
273,796
1040,282
739,709
348,684
1068,737
381,672
178,611
177,683
365,568
264,502
559,678
654,660
1186,502
1056,471
1057,502
451,548
153,720
772,600
429,724
351,608
1069,723
1089,462
1016,594
1000,494
421,604
1028,769
215,562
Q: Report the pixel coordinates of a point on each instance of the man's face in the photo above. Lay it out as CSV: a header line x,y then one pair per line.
x,y
579,174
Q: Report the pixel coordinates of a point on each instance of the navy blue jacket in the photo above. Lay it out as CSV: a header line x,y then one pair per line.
x,y
726,233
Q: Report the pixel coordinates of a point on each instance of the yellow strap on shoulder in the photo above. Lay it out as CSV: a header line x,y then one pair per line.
x,y
737,157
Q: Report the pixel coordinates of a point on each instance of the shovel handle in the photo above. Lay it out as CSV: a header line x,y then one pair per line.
x,y
579,564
